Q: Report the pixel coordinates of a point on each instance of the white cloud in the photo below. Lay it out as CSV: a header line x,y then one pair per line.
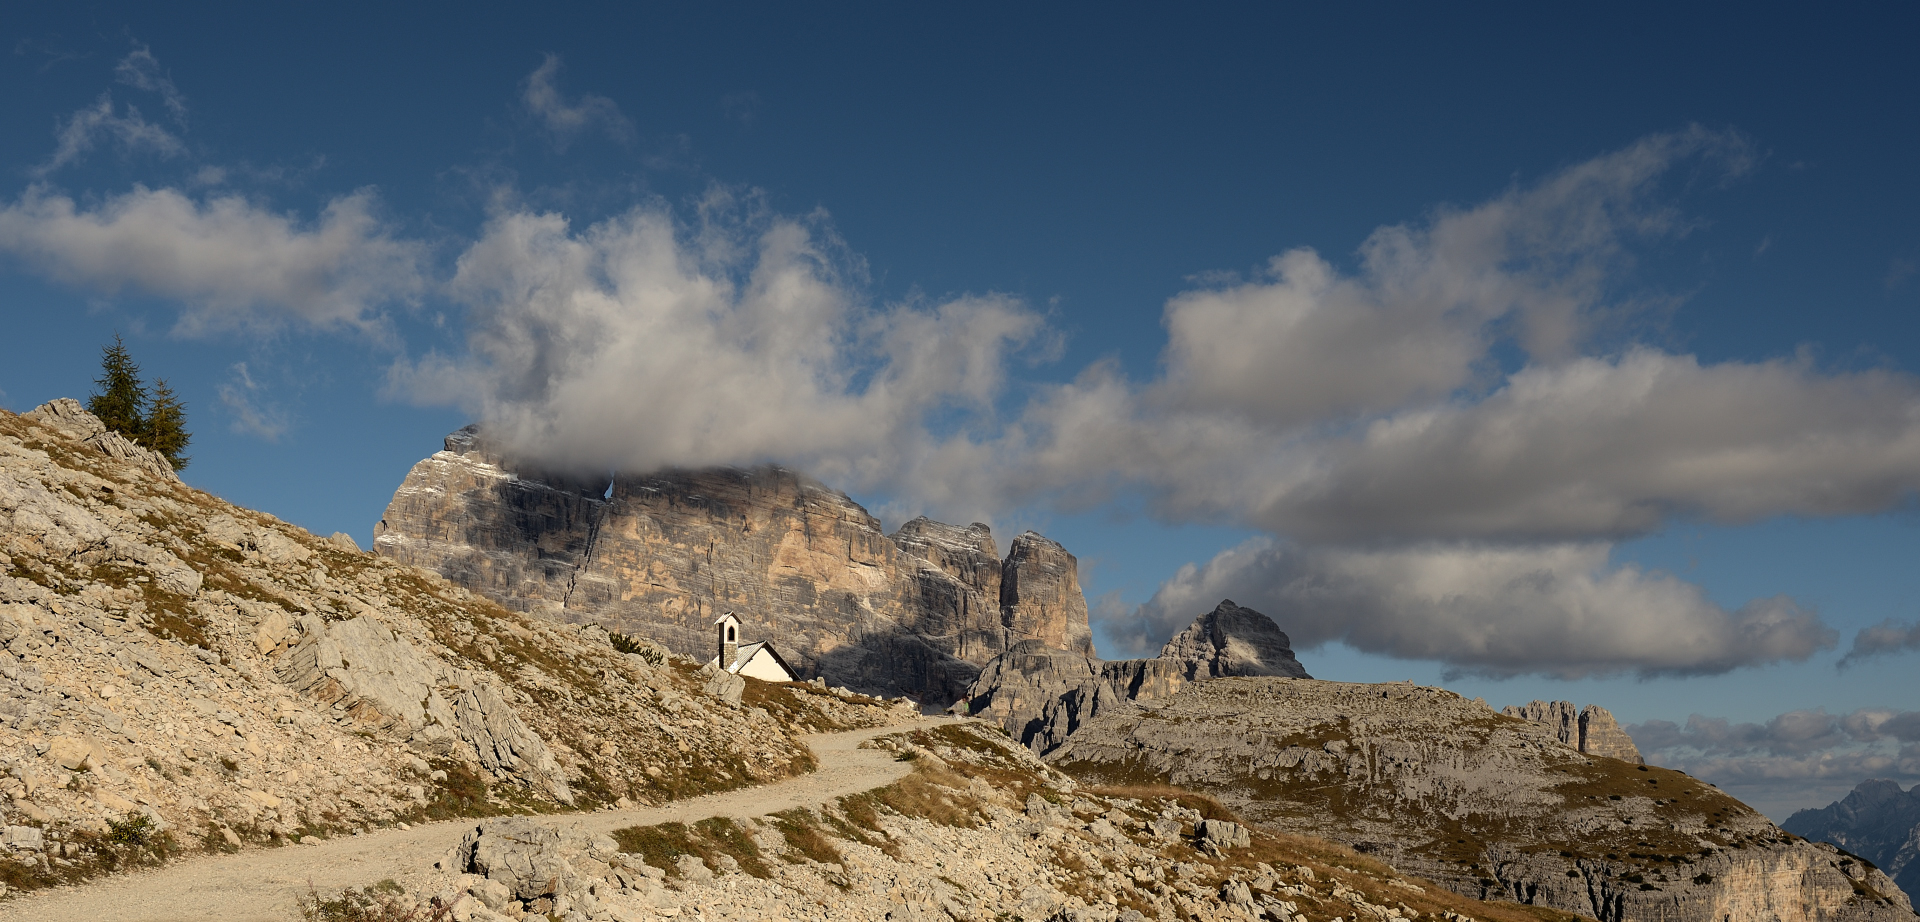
x,y
1795,760
568,120
1887,637
1613,447
1559,609
232,264
639,343
1308,344
141,70
251,416
132,132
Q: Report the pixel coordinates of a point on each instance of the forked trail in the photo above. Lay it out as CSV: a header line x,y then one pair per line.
x,y
265,884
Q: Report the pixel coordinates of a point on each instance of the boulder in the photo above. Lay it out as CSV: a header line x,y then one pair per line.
x,y
521,855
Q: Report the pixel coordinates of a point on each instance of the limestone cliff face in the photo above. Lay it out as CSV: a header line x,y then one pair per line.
x,y
1040,594
1042,694
1491,806
660,556
1591,730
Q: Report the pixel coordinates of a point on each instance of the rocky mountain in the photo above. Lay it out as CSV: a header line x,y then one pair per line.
x,y
1591,730
1042,694
223,677
1488,805
661,555
1877,821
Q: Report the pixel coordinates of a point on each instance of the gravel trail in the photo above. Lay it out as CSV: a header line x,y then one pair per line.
x,y
264,885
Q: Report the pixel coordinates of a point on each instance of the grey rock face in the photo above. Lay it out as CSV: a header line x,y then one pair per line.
x,y
1591,730
1040,595
1231,640
70,418
363,668
660,556
1878,822
1041,694
521,855
1491,806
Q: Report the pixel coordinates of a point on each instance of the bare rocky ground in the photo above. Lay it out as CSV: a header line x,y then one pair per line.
x,y
1490,805
260,884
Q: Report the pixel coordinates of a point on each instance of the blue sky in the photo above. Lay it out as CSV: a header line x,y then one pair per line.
x,y
1536,353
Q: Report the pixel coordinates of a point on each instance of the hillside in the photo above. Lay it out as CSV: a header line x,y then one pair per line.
x,y
180,673
1486,804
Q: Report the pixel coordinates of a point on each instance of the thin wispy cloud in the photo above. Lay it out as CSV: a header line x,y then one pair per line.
x,y
104,122
568,119
246,402
142,71
1884,639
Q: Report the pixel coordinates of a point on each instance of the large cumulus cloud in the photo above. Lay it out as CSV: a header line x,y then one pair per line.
x,y
642,342
1556,609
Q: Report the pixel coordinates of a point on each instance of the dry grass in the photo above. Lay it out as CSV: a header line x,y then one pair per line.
x,y
801,829
382,902
664,845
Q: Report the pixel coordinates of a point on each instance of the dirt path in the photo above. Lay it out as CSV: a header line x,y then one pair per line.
x,y
265,884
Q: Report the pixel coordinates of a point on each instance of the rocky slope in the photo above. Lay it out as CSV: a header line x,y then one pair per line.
x,y
980,830
187,666
660,556
1878,822
1041,694
1486,804
1591,730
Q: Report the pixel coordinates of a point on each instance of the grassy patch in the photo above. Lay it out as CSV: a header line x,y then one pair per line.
x,y
664,845
129,842
801,829
382,902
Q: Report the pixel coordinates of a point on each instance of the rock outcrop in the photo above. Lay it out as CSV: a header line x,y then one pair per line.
x,y
660,556
1041,694
1491,806
1231,640
1591,729
1878,822
228,675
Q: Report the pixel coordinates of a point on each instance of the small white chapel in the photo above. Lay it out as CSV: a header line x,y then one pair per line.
x,y
754,660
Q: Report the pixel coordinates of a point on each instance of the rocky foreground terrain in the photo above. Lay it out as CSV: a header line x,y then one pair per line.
x,y
979,830
180,673
1486,804
916,612
1877,821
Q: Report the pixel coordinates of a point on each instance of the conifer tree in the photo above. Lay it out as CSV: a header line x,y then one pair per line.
x,y
122,401
166,426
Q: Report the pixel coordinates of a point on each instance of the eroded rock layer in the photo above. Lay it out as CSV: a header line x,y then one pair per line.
x,y
1041,694
1491,806
1592,729
660,556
